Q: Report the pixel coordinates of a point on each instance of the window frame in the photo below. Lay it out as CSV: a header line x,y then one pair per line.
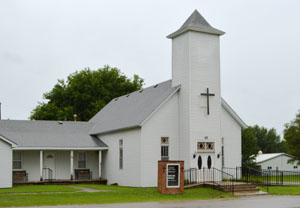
x,y
121,154
164,148
85,161
14,160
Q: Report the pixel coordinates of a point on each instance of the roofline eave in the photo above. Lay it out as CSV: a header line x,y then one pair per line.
x,y
60,148
3,138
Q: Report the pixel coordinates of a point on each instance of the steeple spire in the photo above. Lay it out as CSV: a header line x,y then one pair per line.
x,y
196,23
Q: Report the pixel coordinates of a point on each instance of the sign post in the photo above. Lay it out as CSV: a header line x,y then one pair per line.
x,y
171,177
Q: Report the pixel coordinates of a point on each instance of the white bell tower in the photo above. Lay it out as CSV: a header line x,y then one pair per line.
x,y
196,67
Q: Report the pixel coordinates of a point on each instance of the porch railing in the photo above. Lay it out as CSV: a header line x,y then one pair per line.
x,y
210,177
47,174
250,175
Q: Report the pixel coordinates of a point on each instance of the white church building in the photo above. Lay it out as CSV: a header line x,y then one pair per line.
x,y
184,118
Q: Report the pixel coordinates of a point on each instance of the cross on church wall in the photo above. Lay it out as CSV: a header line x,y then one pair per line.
x,y
207,94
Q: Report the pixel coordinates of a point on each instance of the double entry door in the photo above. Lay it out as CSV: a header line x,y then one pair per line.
x,y
205,164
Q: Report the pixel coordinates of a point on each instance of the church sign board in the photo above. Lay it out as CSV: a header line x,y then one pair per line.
x,y
171,177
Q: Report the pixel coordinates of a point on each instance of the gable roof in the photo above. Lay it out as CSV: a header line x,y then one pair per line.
x,y
131,110
3,138
196,23
50,134
233,114
268,156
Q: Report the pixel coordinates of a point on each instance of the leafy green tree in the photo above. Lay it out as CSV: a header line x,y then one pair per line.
x,y
292,137
84,94
268,140
249,147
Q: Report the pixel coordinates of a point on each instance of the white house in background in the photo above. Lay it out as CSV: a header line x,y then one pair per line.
x,y
180,119
276,161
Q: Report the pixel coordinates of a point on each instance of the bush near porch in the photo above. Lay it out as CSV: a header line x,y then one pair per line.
x,y
112,194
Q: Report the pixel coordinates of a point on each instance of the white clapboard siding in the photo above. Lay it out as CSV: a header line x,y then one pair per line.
x,y
5,165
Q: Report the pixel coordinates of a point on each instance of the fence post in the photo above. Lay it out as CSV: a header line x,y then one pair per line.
x,y
281,177
203,175
213,175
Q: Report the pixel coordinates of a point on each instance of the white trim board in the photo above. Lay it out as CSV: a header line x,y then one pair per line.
x,y
60,148
8,141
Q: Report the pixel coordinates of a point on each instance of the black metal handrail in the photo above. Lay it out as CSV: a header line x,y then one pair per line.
x,y
250,175
210,177
47,174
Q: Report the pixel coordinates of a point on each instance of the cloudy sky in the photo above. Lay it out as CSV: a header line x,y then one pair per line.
x,y
42,41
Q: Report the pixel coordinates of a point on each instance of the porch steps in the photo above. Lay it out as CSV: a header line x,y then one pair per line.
x,y
242,188
61,182
239,187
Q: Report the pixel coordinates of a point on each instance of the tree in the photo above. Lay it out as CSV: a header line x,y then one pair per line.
x,y
249,147
84,94
292,137
268,140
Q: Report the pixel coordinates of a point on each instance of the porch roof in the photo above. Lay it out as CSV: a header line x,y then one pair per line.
x,y
50,134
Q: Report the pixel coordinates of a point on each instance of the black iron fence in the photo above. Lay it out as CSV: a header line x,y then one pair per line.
x,y
249,175
262,177
279,177
210,177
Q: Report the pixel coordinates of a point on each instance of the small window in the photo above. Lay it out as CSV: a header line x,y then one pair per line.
x,y
164,148
201,145
82,160
222,154
121,154
209,162
199,162
295,167
17,160
269,167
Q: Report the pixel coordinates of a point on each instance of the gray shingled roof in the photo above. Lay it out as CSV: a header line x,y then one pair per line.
x,y
50,134
131,110
196,23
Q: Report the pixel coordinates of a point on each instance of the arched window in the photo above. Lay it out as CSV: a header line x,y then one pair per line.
x,y
199,162
209,162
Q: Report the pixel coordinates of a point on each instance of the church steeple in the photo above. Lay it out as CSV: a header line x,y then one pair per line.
x,y
196,68
196,23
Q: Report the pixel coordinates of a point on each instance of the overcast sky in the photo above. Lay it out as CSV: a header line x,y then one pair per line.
x,y
42,41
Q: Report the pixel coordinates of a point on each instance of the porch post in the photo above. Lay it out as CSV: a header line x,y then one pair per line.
x,y
100,161
71,162
41,165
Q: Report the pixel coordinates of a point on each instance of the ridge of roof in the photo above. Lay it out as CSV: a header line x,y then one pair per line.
x,y
129,111
196,22
28,133
268,156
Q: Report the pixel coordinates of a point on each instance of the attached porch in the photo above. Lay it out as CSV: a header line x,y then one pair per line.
x,y
40,166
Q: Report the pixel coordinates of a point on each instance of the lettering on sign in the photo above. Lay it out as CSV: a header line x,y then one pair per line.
x,y
173,175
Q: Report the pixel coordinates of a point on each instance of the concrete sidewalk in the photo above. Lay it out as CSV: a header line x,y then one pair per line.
x,y
242,202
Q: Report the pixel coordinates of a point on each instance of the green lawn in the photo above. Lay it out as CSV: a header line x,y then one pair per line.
x,y
283,190
114,194
38,189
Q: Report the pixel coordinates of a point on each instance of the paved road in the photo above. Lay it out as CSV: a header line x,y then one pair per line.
x,y
243,202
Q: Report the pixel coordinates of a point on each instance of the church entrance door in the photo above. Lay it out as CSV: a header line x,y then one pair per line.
x,y
205,163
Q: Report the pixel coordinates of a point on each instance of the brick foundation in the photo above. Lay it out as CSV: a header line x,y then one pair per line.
x,y
162,178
